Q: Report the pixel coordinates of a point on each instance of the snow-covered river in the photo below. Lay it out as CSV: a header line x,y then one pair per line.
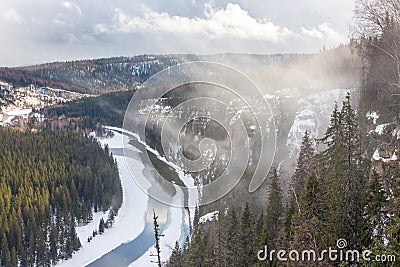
x,y
130,241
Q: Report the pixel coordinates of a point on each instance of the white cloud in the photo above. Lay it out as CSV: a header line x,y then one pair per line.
x,y
74,29
12,15
323,31
58,22
72,6
229,22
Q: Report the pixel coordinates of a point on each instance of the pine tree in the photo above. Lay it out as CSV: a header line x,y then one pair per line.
x,y
308,225
392,228
76,244
231,238
31,253
5,252
304,167
196,218
272,228
101,226
196,257
376,201
304,164
53,239
14,257
341,169
246,238
111,217
42,249
157,239
176,257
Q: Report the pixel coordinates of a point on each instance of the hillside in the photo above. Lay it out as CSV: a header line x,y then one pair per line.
x,y
89,76
270,72
51,181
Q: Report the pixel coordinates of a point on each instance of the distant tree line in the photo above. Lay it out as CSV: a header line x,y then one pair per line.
x,y
108,109
97,76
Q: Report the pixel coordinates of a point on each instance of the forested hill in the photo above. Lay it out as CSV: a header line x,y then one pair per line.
x,y
50,181
89,76
105,75
107,109
346,185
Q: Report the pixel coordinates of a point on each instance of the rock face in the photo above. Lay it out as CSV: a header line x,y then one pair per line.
x,y
293,112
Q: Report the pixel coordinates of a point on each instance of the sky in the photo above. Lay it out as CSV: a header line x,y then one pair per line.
x,y
38,31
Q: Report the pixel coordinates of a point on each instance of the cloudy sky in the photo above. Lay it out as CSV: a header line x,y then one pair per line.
x,y
37,31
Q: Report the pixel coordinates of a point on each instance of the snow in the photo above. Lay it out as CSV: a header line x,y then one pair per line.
x,y
9,115
380,128
373,116
4,83
132,195
377,157
209,217
187,179
130,221
18,112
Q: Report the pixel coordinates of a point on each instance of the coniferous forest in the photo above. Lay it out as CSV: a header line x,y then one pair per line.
x,y
340,189
51,181
345,185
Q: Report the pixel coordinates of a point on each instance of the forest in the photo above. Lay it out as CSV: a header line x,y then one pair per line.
x,y
50,182
340,190
345,187
92,112
97,76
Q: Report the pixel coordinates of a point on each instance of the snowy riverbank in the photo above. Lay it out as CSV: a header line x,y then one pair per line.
x,y
132,216
130,221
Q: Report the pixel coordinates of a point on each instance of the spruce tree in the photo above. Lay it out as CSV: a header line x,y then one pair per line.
x,y
176,256
341,167
157,239
53,240
14,257
5,252
308,224
375,213
246,238
304,164
197,253
304,167
272,229
231,238
101,226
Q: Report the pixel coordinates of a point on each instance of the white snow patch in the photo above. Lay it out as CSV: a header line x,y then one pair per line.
x,y
380,128
209,217
373,116
377,157
393,157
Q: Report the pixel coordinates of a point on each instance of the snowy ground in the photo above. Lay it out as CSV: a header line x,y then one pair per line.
x,y
128,224
8,115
